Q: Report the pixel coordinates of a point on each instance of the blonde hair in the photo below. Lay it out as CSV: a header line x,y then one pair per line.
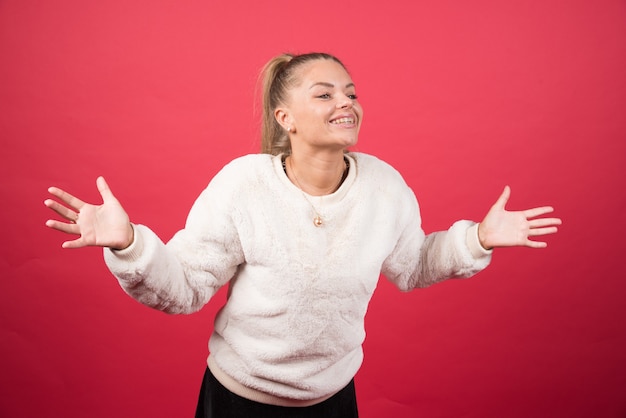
x,y
277,77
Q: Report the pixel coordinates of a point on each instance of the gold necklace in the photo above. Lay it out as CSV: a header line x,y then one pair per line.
x,y
317,219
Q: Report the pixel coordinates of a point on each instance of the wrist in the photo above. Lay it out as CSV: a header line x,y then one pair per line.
x,y
473,244
482,238
131,253
127,242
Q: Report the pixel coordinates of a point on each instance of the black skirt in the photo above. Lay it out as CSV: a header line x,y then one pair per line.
x,y
218,402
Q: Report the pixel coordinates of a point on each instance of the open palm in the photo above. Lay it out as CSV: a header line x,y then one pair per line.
x,y
105,225
502,228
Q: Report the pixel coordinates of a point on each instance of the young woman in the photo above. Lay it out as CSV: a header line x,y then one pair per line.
x,y
301,233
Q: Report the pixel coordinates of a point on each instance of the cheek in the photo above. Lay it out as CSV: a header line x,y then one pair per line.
x,y
359,112
320,116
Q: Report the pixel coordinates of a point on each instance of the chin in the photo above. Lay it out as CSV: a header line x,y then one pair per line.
x,y
352,142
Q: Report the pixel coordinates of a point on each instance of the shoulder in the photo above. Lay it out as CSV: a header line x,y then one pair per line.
x,y
370,167
243,169
240,178
382,180
249,163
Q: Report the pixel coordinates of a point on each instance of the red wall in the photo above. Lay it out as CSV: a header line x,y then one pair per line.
x,y
462,97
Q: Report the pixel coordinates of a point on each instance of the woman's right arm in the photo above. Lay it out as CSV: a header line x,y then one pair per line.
x,y
179,277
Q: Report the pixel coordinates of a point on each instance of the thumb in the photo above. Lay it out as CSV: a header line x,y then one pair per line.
x,y
504,198
104,189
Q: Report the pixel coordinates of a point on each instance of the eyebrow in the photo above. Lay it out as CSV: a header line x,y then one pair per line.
x,y
330,85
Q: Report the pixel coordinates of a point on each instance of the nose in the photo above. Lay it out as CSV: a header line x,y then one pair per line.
x,y
344,102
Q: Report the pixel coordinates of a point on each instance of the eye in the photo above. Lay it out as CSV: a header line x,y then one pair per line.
x,y
324,96
353,96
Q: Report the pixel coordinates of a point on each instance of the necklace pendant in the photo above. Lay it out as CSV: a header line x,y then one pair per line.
x,y
317,221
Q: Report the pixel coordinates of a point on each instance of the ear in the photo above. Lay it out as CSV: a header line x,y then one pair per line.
x,y
284,119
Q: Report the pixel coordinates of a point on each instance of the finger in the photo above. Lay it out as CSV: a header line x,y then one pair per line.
x,y
63,227
61,210
73,202
504,198
104,189
542,222
536,244
77,243
534,212
542,231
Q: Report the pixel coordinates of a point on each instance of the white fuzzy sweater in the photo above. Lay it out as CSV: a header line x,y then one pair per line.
x,y
293,323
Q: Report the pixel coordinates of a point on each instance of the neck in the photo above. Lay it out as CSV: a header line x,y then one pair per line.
x,y
317,176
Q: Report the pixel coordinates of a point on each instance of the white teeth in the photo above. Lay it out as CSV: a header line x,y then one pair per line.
x,y
343,120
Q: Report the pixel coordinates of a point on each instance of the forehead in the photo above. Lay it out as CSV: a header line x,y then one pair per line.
x,y
323,71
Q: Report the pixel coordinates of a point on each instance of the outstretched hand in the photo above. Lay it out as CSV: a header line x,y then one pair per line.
x,y
106,225
502,228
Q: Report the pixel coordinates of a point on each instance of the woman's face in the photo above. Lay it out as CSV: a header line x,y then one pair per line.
x,y
322,109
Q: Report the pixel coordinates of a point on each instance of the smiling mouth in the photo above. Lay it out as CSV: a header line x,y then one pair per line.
x,y
342,120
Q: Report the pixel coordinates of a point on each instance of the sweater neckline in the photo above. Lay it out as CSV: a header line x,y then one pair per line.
x,y
332,198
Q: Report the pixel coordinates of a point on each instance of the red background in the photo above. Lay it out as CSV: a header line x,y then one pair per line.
x,y
462,97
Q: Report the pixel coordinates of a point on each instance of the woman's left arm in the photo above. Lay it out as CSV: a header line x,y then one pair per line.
x,y
503,228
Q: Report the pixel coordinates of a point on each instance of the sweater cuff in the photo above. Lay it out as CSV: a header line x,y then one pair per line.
x,y
133,251
474,245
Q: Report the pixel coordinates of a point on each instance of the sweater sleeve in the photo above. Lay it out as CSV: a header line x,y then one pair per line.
x,y
182,275
420,260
